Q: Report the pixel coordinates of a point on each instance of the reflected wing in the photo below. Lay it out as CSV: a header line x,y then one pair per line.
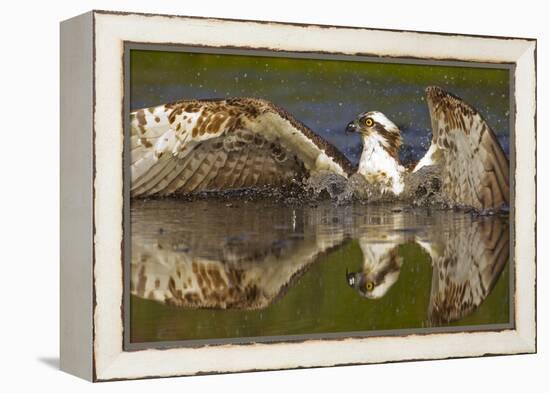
x,y
467,260
214,145
179,279
232,263
475,170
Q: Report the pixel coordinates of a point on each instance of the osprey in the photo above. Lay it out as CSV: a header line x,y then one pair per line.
x,y
216,145
472,168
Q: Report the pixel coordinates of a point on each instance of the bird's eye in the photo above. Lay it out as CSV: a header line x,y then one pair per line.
x,y
369,122
370,286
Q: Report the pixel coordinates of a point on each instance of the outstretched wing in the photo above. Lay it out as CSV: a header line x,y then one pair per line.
x,y
475,170
467,258
200,261
179,278
213,145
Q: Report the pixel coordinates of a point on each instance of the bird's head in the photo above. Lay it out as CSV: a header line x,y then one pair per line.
x,y
376,127
376,277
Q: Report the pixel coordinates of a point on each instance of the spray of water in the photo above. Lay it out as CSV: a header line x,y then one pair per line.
x,y
422,189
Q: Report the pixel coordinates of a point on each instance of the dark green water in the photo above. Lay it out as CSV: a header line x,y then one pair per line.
x,y
296,260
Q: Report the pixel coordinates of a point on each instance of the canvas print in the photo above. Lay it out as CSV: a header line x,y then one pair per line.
x,y
286,196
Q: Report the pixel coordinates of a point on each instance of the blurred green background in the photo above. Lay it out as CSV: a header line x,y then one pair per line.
x,y
324,94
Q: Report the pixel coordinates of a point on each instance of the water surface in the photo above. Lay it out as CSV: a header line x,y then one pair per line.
x,y
213,269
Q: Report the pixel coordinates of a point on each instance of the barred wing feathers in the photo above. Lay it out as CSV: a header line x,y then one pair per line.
x,y
234,264
468,258
475,170
213,145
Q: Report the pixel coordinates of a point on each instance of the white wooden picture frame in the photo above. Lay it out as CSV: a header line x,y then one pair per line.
x,y
92,198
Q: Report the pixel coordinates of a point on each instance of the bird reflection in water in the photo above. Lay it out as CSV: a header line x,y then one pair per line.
x,y
247,255
467,255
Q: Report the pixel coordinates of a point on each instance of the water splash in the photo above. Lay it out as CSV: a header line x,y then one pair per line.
x,y
329,185
423,188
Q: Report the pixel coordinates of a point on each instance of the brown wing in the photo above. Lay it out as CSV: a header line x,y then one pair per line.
x,y
217,145
240,160
200,261
475,170
467,262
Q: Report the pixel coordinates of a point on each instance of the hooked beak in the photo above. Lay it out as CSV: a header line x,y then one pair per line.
x,y
351,279
351,127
